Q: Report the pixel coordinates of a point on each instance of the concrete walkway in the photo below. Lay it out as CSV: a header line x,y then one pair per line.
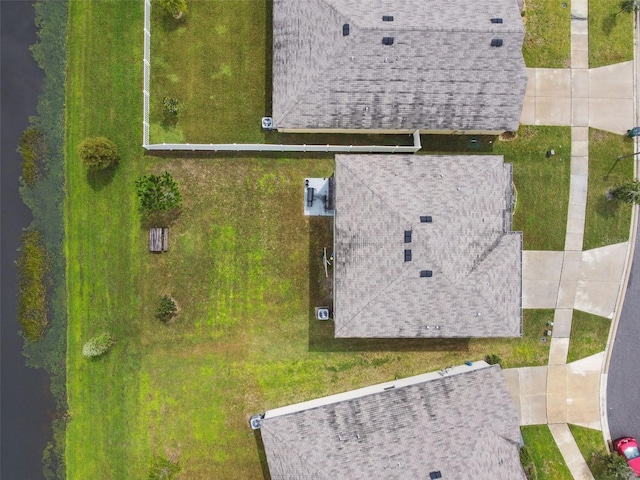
x,y
560,394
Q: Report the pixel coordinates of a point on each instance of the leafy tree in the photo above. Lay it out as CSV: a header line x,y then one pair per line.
x,y
627,192
98,153
98,346
175,7
163,469
629,6
610,466
158,193
167,309
170,106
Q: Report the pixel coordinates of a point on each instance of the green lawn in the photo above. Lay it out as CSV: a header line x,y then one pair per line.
x,y
589,335
545,453
542,184
607,221
610,33
547,41
589,442
244,267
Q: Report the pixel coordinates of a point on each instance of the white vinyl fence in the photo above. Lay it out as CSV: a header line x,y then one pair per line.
x,y
243,147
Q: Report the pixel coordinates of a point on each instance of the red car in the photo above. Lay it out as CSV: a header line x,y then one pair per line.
x,y
628,448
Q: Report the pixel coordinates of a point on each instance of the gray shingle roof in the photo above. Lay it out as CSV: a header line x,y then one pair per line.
x,y
441,73
463,425
476,284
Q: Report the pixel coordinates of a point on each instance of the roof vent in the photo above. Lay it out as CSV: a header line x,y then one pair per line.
x,y
407,236
434,475
345,29
496,42
387,18
426,219
426,273
387,40
407,255
496,20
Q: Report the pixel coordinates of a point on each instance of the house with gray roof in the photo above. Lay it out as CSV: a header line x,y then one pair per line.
x,y
383,66
424,247
459,423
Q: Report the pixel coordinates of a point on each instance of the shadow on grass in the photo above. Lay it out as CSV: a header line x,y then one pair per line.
x,y
606,208
211,155
159,219
609,23
262,454
467,144
168,22
321,333
98,179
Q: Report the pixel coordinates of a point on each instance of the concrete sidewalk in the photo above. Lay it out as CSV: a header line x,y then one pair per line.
x,y
560,394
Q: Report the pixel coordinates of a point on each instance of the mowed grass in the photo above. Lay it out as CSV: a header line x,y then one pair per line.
x,y
589,442
542,184
101,243
607,221
547,40
589,334
610,33
244,267
545,453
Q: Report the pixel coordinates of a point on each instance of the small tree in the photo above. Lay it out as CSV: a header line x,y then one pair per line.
x,y
177,8
158,193
170,107
98,153
610,466
627,192
167,309
629,6
98,346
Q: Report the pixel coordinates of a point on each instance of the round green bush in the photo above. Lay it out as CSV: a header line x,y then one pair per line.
x,y
98,153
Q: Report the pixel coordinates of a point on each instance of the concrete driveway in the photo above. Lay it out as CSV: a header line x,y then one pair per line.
x,y
609,94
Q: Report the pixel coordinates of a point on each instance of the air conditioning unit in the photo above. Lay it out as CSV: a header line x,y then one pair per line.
x,y
267,123
256,421
322,313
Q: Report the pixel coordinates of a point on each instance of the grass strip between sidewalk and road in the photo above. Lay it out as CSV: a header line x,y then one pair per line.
x,y
607,221
610,33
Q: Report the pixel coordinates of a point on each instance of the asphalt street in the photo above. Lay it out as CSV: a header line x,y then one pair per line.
x,y
623,388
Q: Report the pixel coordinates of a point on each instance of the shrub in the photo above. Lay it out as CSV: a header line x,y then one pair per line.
x,y
163,469
32,289
528,464
167,309
158,193
610,466
175,7
492,359
98,153
98,346
32,150
627,193
170,106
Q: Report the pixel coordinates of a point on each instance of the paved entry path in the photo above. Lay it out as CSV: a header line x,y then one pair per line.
x,y
560,394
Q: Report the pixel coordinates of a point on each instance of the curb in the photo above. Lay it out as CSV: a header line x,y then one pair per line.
x,y
604,421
